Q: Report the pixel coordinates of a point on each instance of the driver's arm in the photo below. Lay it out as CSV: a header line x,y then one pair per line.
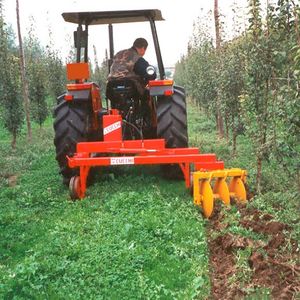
x,y
140,69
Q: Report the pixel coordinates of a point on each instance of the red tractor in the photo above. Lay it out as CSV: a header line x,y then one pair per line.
x,y
79,113
130,130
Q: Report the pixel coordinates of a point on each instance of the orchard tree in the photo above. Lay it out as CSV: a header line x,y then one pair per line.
x,y
180,72
38,92
96,73
100,73
56,71
36,74
13,112
284,29
3,51
259,102
231,86
10,97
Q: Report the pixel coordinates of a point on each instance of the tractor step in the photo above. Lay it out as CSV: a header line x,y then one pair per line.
x,y
205,195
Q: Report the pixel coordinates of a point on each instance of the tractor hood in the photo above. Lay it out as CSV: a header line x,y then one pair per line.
x,y
111,17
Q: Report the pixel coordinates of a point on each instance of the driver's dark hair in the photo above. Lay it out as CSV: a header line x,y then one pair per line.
x,y
140,43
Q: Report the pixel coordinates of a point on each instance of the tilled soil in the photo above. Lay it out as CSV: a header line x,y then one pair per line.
x,y
274,264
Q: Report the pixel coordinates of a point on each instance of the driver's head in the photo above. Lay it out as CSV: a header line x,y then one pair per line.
x,y
140,44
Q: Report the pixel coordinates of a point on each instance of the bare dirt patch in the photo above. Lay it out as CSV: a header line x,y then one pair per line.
x,y
273,261
11,179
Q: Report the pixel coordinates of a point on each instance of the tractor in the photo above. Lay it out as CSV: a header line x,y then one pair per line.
x,y
127,129
80,119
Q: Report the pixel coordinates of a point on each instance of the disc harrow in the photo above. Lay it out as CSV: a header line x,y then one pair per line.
x,y
211,185
208,182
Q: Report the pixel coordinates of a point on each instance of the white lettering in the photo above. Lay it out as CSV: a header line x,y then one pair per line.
x,y
112,127
126,160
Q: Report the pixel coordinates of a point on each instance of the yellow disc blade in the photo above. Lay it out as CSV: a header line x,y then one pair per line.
x,y
238,188
207,198
222,190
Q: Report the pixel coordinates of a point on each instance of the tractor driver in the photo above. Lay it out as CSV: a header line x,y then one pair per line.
x,y
129,63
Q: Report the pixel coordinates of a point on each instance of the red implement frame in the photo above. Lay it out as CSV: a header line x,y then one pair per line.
x,y
137,152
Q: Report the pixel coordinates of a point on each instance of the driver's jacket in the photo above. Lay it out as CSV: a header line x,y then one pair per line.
x,y
123,67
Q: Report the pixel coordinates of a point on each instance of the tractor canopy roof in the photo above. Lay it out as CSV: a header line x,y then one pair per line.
x,y
111,17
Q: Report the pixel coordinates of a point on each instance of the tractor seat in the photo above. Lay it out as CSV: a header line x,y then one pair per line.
x,y
120,90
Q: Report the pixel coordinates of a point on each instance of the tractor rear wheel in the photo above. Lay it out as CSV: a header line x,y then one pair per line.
x,y
71,126
172,126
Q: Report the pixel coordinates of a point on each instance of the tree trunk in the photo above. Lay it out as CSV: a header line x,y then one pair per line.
x,y
259,173
296,23
234,137
220,119
23,76
218,46
227,127
14,140
298,180
217,24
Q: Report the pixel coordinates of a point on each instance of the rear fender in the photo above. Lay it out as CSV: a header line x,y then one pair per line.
x,y
161,87
88,93
78,96
84,92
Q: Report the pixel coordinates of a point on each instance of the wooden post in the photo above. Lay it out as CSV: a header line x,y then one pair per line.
x,y
220,125
23,76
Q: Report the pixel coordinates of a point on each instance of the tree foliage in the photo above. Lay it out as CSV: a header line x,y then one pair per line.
x,y
45,73
254,80
37,77
55,69
100,72
56,73
10,96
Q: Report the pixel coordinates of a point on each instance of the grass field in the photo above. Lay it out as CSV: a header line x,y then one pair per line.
x,y
135,236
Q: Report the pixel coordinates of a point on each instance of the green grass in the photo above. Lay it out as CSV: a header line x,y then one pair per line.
x,y
135,236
